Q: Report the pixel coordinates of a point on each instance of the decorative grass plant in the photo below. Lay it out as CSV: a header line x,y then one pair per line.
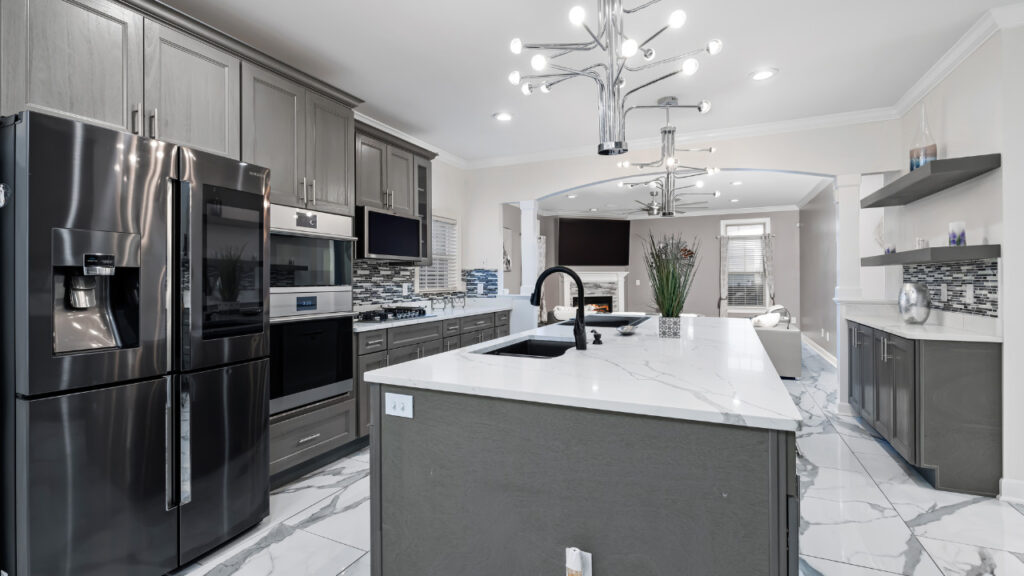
x,y
671,264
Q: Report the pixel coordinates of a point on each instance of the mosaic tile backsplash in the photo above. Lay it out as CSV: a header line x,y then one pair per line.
x,y
380,283
473,278
983,274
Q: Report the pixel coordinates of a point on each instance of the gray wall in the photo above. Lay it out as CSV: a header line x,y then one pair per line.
x,y
511,218
818,262
703,297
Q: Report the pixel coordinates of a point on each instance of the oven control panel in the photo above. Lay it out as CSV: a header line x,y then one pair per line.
x,y
305,304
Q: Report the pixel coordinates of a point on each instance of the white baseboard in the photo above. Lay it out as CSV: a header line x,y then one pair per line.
x,y
1011,490
844,409
821,351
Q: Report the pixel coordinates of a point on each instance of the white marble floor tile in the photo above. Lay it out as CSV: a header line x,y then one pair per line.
x,y
345,517
285,550
360,567
289,500
828,450
852,426
846,518
965,560
1018,507
950,516
810,566
870,445
363,455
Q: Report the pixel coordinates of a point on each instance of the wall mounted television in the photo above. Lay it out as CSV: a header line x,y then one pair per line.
x,y
593,242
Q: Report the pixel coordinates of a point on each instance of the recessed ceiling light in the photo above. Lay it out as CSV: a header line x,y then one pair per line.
x,y
593,209
737,183
734,200
572,196
502,116
763,74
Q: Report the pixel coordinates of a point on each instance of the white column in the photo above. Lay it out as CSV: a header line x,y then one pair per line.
x,y
530,233
847,271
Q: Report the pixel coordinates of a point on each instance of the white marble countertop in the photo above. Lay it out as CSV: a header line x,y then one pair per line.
x,y
926,331
436,315
718,371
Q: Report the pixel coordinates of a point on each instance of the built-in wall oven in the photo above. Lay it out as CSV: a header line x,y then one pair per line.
x,y
310,307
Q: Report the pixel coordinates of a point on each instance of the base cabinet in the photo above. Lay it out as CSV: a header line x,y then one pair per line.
x,y
304,434
938,403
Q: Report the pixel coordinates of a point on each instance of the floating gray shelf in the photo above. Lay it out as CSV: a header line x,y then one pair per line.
x,y
935,255
930,179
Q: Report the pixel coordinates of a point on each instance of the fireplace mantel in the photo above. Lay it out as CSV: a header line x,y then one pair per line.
x,y
619,278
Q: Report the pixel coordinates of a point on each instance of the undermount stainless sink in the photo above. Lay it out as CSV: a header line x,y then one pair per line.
x,y
532,348
608,321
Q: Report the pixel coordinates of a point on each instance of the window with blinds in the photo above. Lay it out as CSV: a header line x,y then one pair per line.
x,y
745,262
443,273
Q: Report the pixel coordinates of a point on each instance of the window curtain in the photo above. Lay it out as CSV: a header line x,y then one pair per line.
x,y
723,268
769,267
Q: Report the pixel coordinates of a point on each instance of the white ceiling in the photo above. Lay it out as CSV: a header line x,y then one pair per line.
x,y
437,70
759,189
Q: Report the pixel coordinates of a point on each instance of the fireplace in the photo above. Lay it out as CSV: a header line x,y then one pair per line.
x,y
601,304
603,289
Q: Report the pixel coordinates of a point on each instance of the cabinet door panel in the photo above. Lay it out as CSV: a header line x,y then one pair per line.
x,y
423,208
274,132
884,385
401,181
904,377
371,178
866,371
81,59
366,363
193,92
329,141
854,350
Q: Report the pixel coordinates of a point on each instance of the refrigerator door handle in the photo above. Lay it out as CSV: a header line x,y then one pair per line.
x,y
169,494
185,489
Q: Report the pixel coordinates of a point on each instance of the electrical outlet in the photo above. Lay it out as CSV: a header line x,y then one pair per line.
x,y
943,293
638,282
398,405
479,289
828,336
969,294
405,288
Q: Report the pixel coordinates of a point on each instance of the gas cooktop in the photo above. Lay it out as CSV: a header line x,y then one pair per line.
x,y
393,313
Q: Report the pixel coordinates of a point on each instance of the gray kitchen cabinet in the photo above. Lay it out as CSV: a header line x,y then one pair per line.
x,y
856,398
451,343
883,385
371,175
404,354
450,327
865,365
366,363
502,318
471,338
372,341
385,176
431,348
401,170
81,59
274,132
901,358
192,92
413,334
502,331
478,322
330,130
303,434
424,202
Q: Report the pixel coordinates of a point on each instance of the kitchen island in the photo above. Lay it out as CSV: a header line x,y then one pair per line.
x,y
658,456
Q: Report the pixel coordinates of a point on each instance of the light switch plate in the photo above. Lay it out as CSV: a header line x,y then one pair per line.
x,y
943,293
638,282
398,405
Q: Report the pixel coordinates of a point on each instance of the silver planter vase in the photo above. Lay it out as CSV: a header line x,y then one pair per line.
x,y
669,327
915,303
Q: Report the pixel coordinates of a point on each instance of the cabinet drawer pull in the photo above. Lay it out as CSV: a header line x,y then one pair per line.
x,y
136,111
309,438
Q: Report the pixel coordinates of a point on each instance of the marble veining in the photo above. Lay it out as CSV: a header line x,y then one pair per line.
x,y
718,371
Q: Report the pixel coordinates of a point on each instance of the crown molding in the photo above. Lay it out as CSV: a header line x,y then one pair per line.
x,y
1011,16
442,155
693,214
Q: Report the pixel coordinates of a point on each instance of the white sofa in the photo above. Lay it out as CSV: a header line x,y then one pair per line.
x,y
784,348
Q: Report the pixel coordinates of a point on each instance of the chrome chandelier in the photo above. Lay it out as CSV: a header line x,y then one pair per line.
x,y
665,190
610,74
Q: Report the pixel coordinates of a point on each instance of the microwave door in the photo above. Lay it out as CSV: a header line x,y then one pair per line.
x,y
223,239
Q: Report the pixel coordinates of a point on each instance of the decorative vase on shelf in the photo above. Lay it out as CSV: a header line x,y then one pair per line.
x,y
957,234
915,303
925,150
669,326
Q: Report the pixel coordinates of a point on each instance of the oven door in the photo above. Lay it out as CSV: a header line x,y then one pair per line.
x,y
223,234
311,359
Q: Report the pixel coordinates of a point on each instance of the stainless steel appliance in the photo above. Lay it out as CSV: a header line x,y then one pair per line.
x,y
311,307
393,313
135,326
387,236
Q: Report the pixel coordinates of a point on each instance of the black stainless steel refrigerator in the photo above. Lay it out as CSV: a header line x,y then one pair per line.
x,y
135,334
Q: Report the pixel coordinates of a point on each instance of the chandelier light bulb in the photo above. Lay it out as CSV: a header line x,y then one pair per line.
x,y
715,47
622,184
649,54
718,194
527,89
577,15
712,150
629,48
544,88
538,62
699,184
670,161
515,78
516,46
704,107
690,66
677,19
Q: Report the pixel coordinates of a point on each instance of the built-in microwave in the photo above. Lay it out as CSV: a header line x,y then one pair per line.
x,y
384,235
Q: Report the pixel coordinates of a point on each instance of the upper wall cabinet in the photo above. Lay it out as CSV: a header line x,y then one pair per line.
x,y
81,59
192,92
304,138
385,176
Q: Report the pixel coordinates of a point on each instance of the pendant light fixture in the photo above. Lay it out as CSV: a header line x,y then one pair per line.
x,y
610,74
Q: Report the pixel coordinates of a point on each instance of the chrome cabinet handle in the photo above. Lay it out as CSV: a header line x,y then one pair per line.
x,y
314,191
305,199
154,124
136,111
309,438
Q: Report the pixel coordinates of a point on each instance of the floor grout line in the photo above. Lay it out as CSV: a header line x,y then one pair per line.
x,y
854,565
